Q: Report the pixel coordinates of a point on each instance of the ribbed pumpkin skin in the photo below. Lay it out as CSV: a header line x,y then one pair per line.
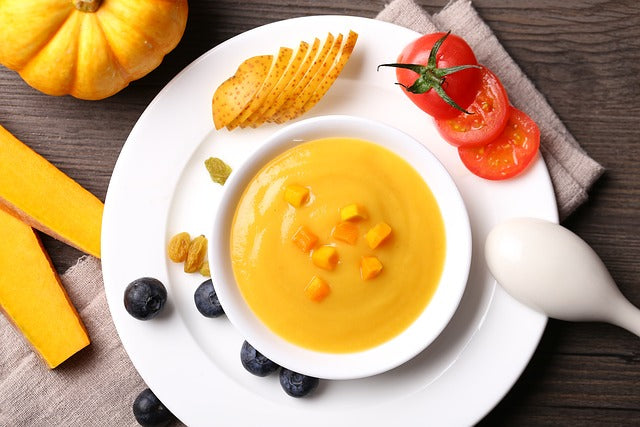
x,y
60,50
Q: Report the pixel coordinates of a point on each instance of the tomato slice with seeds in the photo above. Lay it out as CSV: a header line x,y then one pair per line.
x,y
507,155
489,113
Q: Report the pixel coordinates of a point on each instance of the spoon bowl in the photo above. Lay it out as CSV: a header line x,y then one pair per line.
x,y
552,270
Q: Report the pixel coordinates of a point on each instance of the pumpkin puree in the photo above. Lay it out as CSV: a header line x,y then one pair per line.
x,y
272,271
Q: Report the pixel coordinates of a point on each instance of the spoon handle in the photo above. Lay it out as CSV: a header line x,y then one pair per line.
x,y
627,316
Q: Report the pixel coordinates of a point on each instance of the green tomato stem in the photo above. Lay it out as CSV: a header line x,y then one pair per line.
x,y
430,76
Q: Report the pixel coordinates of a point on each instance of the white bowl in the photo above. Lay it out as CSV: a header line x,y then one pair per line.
x,y
436,314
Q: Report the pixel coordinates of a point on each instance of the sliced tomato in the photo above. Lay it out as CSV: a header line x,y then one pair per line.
x,y
489,113
507,155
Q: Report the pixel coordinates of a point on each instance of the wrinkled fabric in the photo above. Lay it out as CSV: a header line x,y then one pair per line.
x,y
95,387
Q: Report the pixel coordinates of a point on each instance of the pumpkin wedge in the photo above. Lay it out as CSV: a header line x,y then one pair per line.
x,y
276,71
310,88
288,90
235,93
315,66
256,118
32,297
42,196
332,75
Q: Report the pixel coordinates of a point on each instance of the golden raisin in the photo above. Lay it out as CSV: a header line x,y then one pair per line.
x,y
218,170
204,270
178,247
196,254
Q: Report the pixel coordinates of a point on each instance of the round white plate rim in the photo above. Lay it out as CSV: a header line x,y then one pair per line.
x,y
184,401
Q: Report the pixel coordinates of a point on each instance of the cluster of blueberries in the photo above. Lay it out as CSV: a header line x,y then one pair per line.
x,y
144,299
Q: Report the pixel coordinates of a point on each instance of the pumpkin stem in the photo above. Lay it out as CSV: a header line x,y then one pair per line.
x,y
87,5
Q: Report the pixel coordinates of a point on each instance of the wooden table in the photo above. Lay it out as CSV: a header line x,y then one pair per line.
x,y
584,55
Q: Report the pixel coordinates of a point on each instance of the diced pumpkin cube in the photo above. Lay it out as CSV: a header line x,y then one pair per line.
x,y
325,257
377,234
370,267
304,239
296,195
317,289
346,232
353,212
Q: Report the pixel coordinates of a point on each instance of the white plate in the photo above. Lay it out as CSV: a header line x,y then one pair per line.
x,y
160,187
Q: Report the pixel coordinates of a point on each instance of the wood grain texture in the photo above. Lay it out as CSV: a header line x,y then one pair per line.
x,y
584,55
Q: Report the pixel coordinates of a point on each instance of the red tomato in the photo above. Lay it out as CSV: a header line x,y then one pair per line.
x,y
489,113
460,86
509,154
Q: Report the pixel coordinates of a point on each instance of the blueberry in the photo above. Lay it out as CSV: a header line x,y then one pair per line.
x,y
255,362
144,298
295,384
207,301
149,411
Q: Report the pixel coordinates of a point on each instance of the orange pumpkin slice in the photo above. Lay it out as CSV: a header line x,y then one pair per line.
x,y
235,93
332,75
288,90
310,88
315,66
256,118
279,65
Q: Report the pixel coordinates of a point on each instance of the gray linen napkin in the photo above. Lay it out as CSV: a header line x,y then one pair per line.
x,y
97,386
572,171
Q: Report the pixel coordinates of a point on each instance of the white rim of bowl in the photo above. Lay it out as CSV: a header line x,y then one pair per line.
x,y
443,304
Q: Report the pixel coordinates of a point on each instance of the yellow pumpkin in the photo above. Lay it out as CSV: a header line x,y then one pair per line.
x,y
90,49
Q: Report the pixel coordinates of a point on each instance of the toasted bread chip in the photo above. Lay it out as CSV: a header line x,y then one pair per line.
x,y
295,64
310,88
233,95
315,66
278,67
288,90
333,73
265,89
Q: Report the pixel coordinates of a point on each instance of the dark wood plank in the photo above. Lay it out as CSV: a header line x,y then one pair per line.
x,y
584,55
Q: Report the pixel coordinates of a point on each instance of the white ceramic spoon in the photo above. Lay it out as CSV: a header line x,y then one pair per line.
x,y
550,269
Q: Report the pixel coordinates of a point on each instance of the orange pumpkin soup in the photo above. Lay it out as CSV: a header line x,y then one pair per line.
x,y
372,248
